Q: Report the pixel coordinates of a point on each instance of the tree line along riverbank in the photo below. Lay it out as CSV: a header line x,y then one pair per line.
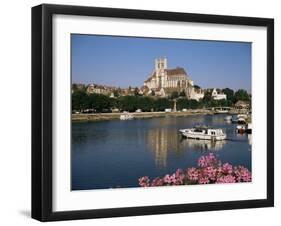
x,y
99,103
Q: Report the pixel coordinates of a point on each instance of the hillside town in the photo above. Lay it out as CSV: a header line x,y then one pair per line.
x,y
162,82
193,94
165,88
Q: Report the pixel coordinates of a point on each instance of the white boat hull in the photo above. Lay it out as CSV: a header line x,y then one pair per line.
x,y
126,116
204,136
221,111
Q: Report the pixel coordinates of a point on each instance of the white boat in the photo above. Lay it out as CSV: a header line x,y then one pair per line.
x,y
241,121
168,110
228,118
242,116
203,133
244,128
241,128
126,116
221,110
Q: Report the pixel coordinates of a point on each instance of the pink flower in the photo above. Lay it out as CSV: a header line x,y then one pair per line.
x,y
144,181
227,168
203,180
226,179
173,178
210,172
207,160
219,170
179,176
168,179
242,174
157,182
176,178
192,174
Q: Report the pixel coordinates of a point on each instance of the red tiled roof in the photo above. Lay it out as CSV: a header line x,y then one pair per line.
x,y
170,72
175,71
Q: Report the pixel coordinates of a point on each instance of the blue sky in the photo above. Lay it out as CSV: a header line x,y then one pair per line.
x,y
126,61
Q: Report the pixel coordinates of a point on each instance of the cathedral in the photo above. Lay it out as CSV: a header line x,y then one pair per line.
x,y
164,81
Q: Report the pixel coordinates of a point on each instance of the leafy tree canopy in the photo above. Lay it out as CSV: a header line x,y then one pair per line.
x,y
241,94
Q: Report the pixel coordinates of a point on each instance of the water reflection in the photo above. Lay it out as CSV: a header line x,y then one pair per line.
x,y
203,144
164,140
160,142
114,153
250,139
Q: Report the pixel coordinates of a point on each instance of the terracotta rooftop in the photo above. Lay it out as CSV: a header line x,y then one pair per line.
x,y
175,71
170,72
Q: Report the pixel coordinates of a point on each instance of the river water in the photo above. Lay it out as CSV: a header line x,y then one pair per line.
x,y
111,154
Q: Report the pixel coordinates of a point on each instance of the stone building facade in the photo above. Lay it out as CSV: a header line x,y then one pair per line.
x,y
162,77
218,95
164,81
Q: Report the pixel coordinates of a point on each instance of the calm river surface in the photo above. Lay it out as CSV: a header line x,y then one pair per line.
x,y
110,154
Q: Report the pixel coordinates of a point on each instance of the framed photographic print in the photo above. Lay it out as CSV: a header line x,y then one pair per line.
x,y
145,112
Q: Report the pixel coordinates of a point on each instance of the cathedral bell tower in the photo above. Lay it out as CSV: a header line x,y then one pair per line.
x,y
160,66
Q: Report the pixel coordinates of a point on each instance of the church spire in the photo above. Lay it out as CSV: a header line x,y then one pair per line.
x,y
160,64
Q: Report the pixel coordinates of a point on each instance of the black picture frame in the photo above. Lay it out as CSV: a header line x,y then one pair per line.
x,y
42,111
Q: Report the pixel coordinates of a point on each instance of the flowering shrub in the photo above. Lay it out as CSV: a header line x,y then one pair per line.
x,y
209,171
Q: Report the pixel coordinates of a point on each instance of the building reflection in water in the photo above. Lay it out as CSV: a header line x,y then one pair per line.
x,y
162,141
250,139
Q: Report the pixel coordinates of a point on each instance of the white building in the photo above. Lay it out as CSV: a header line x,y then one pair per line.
x,y
196,94
162,77
164,81
218,96
92,88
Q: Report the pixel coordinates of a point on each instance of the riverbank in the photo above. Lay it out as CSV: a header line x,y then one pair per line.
x,y
137,115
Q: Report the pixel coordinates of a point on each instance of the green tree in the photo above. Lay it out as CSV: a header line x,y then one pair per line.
x,y
194,104
229,94
223,103
241,94
79,87
116,93
207,98
99,102
128,103
145,103
183,103
80,100
74,87
113,103
161,104
136,91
